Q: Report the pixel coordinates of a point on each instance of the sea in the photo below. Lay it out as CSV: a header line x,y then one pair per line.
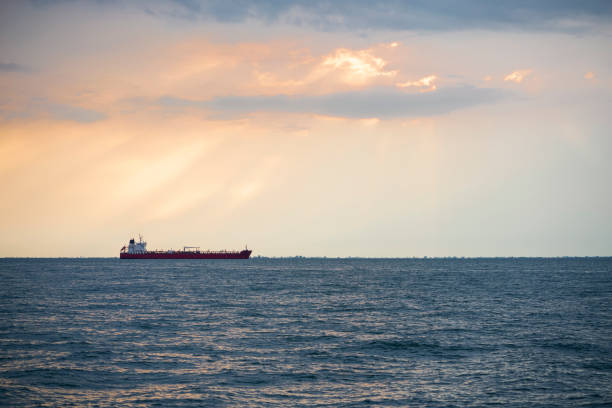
x,y
306,332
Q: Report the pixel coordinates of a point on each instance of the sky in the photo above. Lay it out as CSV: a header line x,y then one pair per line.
x,y
314,128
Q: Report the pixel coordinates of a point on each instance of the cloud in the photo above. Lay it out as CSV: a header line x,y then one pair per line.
x,y
377,102
74,113
12,67
443,15
302,72
41,108
517,76
426,84
359,66
279,67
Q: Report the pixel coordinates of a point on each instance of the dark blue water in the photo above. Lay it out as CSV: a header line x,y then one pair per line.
x,y
306,332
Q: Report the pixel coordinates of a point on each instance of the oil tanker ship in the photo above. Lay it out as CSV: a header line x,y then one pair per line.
x,y
138,250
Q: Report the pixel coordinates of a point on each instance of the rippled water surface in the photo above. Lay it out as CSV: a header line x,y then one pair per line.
x,y
306,332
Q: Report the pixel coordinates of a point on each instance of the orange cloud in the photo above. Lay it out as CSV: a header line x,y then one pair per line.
x,y
356,66
298,71
426,84
518,76
80,86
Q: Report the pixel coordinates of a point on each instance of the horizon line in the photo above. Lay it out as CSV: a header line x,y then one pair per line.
x,y
331,257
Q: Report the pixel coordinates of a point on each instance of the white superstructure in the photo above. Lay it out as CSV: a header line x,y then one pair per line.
x,y
139,247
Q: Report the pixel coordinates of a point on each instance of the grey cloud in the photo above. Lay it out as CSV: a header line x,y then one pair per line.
x,y
398,14
74,113
171,102
12,67
40,107
364,15
382,102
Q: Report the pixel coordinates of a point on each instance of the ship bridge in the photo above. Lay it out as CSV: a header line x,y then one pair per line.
x,y
139,247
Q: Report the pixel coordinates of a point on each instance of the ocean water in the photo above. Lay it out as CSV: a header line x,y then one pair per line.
x,y
306,332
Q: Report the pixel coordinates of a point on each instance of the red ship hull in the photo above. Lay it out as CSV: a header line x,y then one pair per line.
x,y
187,255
